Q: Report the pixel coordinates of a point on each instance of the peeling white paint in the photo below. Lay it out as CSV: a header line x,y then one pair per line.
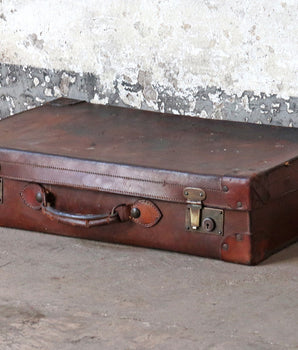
x,y
162,107
203,114
289,110
98,100
48,92
215,98
11,105
57,91
36,81
72,79
129,98
236,46
214,102
245,102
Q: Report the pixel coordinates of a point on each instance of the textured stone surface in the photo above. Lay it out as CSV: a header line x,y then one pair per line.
x,y
206,58
24,87
62,293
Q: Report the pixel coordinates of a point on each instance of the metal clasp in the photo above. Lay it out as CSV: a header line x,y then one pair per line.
x,y
201,219
194,197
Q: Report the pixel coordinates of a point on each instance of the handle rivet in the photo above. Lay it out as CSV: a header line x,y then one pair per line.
x,y
38,197
135,213
225,246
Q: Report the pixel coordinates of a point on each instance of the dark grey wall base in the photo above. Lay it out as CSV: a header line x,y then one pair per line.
x,y
23,87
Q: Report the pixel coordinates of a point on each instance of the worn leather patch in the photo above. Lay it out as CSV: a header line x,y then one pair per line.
x,y
237,248
149,213
29,193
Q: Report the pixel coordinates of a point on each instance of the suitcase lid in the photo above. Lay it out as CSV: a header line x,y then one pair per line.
x,y
148,154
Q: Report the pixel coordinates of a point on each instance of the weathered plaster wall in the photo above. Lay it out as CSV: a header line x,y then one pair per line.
x,y
26,87
209,58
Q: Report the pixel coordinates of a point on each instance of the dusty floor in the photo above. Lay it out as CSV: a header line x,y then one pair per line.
x,y
64,293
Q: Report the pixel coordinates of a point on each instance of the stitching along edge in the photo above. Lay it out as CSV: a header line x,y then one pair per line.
x,y
104,174
136,194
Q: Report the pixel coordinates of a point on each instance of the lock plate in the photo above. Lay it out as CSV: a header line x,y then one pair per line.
x,y
199,218
212,221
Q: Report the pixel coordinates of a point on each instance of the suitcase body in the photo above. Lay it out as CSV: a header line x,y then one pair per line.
x,y
216,189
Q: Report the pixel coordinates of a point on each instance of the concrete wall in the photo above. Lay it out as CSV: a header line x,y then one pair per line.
x,y
209,58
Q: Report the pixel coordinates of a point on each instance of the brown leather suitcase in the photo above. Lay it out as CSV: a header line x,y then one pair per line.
x,y
217,189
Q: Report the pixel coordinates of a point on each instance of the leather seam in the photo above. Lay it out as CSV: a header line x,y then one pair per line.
x,y
105,174
96,188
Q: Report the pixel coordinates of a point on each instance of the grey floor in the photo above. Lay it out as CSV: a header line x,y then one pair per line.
x,y
64,293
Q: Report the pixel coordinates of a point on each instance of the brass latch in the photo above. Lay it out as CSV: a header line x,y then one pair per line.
x,y
194,197
199,218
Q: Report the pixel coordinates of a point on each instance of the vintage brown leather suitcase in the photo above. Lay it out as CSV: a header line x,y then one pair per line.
x,y
217,189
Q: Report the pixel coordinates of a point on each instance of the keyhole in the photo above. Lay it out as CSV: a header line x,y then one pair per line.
x,y
209,224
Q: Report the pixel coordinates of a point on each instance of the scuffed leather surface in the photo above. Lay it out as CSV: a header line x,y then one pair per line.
x,y
147,154
122,179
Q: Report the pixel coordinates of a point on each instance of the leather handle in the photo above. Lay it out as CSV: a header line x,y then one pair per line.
x,y
88,220
142,211
35,197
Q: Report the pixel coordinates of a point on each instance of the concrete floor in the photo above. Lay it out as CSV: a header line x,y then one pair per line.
x,y
64,293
